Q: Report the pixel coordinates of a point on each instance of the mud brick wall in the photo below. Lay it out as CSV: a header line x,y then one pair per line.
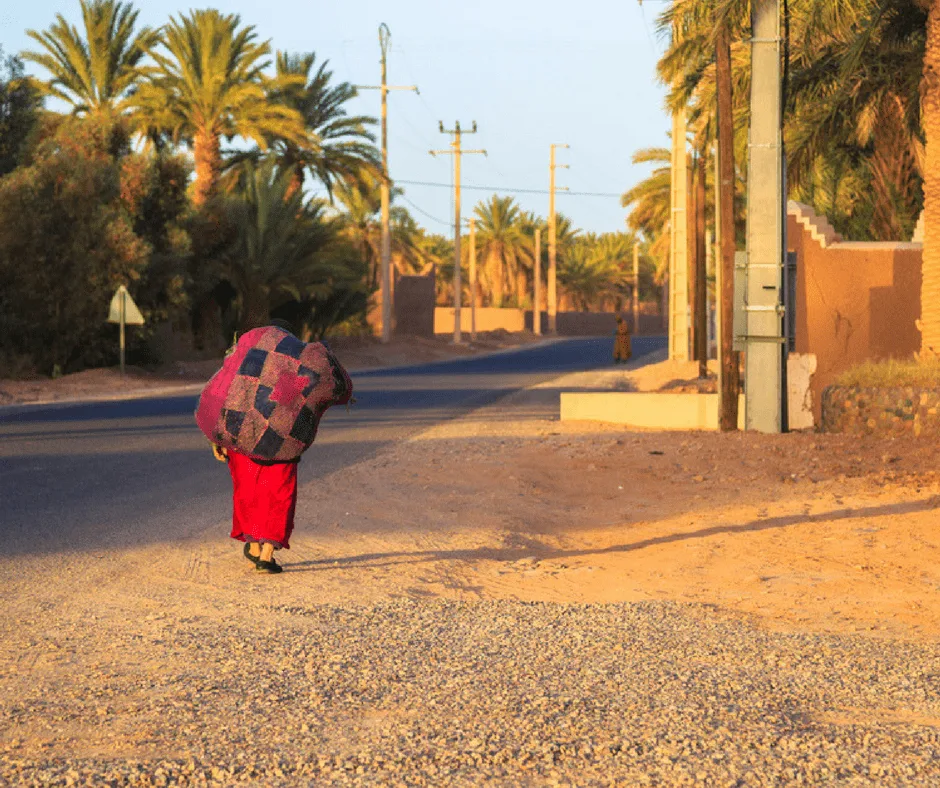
x,y
881,411
855,301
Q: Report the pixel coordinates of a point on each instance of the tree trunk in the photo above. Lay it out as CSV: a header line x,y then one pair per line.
x,y
691,252
894,178
701,291
296,181
256,309
208,159
494,273
930,108
730,383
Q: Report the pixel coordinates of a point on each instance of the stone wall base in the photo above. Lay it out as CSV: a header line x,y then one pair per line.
x,y
897,411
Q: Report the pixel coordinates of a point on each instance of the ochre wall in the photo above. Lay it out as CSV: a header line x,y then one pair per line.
x,y
414,305
487,319
855,301
568,323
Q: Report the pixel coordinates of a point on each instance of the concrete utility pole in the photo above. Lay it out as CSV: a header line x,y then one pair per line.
x,y
384,39
456,151
636,289
473,279
766,350
679,244
552,259
537,286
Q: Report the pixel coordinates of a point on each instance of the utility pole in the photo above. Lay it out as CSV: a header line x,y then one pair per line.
x,y
385,37
456,151
636,289
473,280
552,258
679,244
701,291
537,276
765,382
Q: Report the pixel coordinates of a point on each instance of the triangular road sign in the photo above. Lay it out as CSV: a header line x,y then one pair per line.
x,y
132,316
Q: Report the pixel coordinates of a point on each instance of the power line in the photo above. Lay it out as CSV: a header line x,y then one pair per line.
x,y
421,210
507,189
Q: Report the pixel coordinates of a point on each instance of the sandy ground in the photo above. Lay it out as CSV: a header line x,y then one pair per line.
x,y
356,353
800,531
807,534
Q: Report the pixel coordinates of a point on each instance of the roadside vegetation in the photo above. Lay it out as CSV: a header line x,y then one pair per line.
x,y
919,373
223,181
861,120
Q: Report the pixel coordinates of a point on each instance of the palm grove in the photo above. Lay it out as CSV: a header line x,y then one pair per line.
x,y
118,166
861,123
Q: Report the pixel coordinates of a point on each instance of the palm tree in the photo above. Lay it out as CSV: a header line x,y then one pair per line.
x,y
587,274
279,253
930,107
853,75
360,199
96,72
339,146
210,83
502,246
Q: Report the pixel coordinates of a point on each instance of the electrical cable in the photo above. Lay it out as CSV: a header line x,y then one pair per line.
x,y
508,189
421,210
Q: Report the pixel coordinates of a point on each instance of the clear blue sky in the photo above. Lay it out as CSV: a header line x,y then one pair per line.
x,y
530,73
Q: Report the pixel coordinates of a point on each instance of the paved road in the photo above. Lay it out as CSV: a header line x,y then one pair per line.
x,y
99,475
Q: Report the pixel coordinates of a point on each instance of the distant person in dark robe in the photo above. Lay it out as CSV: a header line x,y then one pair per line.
x,y
622,346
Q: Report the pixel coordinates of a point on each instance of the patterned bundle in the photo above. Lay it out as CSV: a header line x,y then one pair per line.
x,y
267,400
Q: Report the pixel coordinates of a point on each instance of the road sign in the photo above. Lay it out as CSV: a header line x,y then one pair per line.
x,y
132,316
124,312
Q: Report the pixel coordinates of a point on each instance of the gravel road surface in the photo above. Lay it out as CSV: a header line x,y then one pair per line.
x,y
499,693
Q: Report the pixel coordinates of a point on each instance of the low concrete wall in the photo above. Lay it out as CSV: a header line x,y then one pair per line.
x,y
886,412
652,410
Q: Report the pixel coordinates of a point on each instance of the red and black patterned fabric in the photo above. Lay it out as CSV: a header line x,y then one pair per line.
x,y
267,400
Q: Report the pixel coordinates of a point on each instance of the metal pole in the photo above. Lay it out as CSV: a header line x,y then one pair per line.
x,y
384,190
123,317
473,280
764,306
636,289
537,276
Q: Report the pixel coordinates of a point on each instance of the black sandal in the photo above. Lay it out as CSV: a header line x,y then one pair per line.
x,y
271,567
247,552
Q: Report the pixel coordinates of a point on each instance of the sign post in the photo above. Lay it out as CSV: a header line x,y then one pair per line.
x,y
124,311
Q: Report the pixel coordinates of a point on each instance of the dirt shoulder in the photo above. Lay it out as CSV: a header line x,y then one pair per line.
x,y
356,353
802,531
